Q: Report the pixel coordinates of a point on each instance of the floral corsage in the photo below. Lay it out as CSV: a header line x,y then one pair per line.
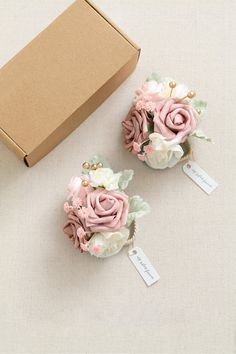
x,y
100,215
162,118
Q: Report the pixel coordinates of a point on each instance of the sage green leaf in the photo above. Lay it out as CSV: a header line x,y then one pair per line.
x,y
125,178
199,105
100,158
198,133
137,208
154,76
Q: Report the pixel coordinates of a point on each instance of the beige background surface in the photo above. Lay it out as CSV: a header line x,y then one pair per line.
x,y
55,300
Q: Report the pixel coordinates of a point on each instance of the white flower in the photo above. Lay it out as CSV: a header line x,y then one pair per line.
x,y
148,92
165,153
152,86
104,177
179,91
106,244
73,187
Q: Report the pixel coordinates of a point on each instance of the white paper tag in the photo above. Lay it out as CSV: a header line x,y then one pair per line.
x,y
143,266
200,177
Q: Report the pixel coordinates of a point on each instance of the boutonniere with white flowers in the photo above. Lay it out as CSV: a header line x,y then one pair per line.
x,y
163,116
100,215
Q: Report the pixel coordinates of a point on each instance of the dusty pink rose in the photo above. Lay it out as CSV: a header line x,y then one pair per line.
x,y
175,119
106,210
76,230
135,128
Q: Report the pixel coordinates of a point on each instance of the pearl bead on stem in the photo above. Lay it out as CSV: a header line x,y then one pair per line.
x,y
94,166
86,165
172,84
85,183
191,94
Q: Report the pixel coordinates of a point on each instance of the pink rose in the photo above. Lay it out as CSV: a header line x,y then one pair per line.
x,y
175,119
135,128
106,210
76,230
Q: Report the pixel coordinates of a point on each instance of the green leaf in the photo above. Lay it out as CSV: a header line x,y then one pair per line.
x,y
99,158
145,144
200,106
150,115
125,178
137,208
150,128
154,76
198,133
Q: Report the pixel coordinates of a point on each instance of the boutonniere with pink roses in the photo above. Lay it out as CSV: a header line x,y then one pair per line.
x,y
163,116
100,215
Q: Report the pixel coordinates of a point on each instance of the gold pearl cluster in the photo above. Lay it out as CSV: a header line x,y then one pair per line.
x,y
87,166
93,166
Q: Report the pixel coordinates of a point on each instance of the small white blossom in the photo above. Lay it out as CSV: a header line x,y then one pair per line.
x,y
106,244
179,91
165,153
104,177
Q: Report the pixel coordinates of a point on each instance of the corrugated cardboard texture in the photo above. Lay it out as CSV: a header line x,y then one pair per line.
x,y
56,81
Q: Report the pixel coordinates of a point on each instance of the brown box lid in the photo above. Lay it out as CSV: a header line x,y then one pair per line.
x,y
60,77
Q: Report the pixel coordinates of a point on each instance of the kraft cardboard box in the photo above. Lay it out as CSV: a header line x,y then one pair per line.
x,y
54,83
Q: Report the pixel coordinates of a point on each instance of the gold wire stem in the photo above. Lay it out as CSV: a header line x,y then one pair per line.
x,y
183,98
172,85
190,95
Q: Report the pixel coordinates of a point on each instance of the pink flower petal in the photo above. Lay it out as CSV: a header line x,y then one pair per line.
x,y
142,157
96,249
136,147
66,207
148,149
77,202
84,247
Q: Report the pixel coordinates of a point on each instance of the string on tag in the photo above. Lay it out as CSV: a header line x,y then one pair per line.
x,y
133,231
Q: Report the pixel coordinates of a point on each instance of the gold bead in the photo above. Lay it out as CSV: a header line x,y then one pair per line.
x,y
94,166
85,183
191,94
172,84
86,165
99,165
